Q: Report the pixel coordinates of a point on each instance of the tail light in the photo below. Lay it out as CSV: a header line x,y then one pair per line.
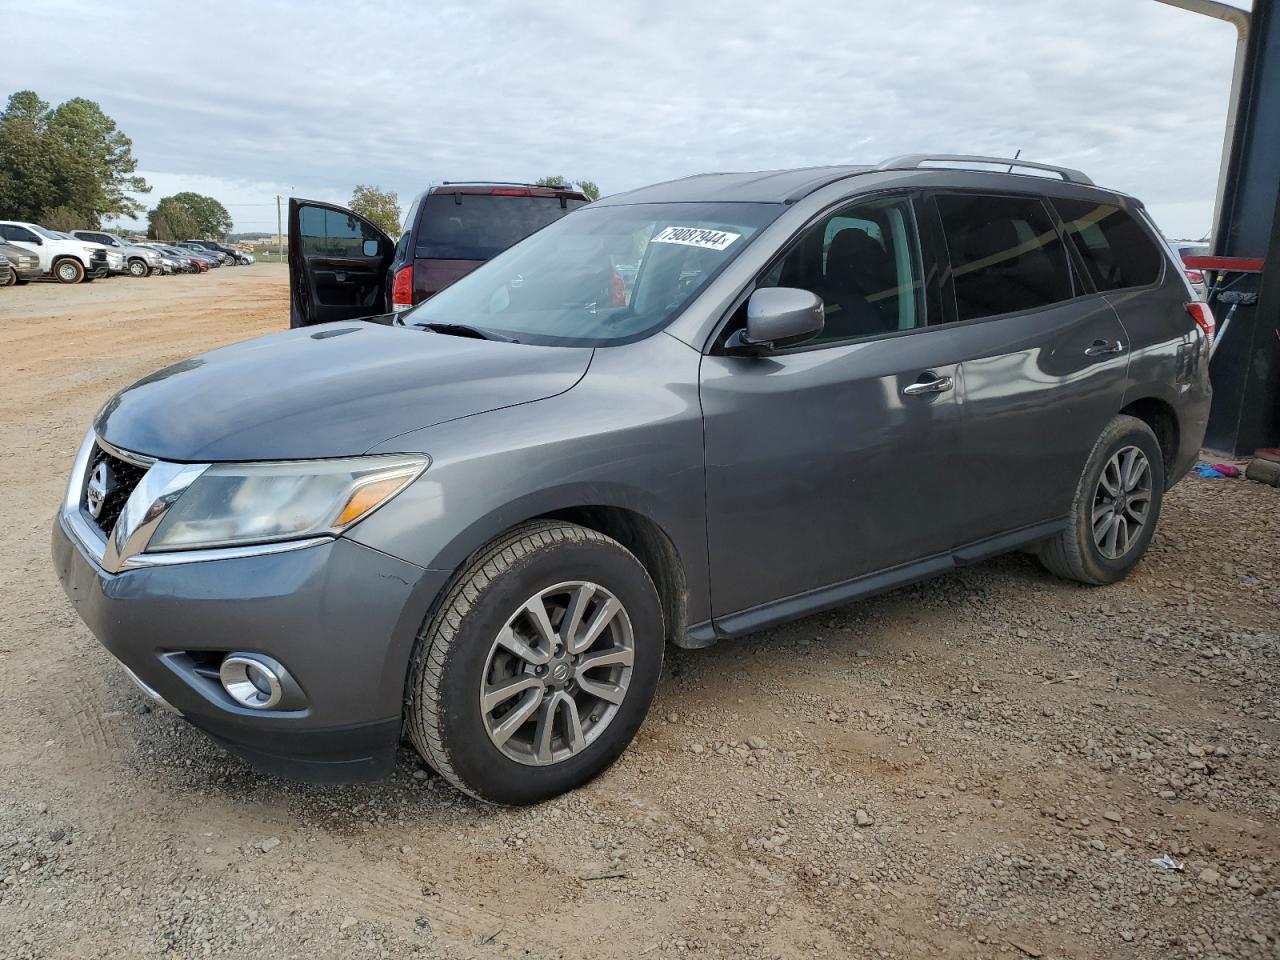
x,y
1203,317
402,289
1195,276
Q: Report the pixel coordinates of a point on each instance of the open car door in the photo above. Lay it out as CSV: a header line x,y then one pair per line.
x,y
338,263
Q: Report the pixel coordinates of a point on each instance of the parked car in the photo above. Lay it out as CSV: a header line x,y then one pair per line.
x,y
480,521
449,231
65,259
230,255
25,264
135,259
115,260
184,259
1195,277
215,258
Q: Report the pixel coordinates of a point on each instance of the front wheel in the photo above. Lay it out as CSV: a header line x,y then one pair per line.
x,y
138,268
539,665
68,270
1115,509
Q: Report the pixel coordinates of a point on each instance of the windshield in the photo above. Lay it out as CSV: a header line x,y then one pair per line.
x,y
601,276
48,233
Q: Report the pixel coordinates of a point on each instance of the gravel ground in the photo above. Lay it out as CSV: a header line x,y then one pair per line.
x,y
980,766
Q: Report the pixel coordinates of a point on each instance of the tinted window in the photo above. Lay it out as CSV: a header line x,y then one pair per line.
x,y
328,233
1006,255
863,262
1117,252
470,226
13,232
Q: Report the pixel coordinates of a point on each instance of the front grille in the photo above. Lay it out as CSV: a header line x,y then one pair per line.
x,y
122,478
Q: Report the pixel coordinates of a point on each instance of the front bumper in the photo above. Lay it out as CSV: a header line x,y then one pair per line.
x,y
340,616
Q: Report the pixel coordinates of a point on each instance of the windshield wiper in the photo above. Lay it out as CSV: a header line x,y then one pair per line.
x,y
465,330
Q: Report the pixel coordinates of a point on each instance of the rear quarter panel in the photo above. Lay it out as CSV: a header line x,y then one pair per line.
x,y
1168,359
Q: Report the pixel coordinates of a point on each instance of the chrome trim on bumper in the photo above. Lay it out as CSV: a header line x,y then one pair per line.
x,y
159,700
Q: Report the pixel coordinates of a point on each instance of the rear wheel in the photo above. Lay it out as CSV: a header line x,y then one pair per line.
x,y
68,270
1116,507
539,666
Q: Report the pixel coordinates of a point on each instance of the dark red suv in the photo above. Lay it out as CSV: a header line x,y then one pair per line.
x,y
341,266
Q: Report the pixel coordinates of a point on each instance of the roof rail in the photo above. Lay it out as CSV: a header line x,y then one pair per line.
x,y
505,183
913,160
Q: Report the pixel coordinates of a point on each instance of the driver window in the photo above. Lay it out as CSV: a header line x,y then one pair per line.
x,y
864,262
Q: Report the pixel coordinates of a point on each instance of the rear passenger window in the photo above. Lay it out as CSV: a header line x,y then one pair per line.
x,y
1006,255
1117,252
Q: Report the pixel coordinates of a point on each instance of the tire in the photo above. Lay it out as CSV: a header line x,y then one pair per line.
x,y
459,655
13,279
1100,544
138,268
68,270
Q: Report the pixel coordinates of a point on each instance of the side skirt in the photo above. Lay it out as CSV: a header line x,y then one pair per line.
x,y
839,594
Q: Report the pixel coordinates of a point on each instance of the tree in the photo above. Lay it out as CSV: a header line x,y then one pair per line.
x,y
379,207
187,215
555,180
71,159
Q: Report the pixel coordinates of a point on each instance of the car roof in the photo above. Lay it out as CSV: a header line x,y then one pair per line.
x,y
758,186
788,186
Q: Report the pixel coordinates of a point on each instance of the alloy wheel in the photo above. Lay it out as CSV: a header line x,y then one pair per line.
x,y
557,673
1121,502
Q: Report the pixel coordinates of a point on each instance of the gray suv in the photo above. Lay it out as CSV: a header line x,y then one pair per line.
x,y
676,415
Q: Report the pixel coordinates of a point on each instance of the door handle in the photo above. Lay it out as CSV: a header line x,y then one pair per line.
x,y
1102,348
936,385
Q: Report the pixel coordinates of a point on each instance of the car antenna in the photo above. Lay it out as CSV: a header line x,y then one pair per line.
x,y
1015,156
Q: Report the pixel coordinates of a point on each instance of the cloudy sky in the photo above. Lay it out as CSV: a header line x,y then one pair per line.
x,y
244,100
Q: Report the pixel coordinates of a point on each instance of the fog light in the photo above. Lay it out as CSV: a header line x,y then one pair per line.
x,y
252,681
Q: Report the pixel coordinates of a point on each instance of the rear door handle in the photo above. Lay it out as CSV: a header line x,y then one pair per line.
x,y
1103,348
923,387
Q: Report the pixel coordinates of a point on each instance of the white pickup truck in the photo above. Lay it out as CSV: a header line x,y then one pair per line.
x,y
65,259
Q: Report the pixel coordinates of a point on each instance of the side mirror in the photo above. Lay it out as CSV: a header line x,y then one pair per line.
x,y
781,317
371,248
37,241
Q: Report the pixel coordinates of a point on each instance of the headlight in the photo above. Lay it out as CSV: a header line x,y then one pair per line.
x,y
238,503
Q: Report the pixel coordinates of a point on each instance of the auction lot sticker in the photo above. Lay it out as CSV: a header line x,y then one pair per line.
x,y
696,237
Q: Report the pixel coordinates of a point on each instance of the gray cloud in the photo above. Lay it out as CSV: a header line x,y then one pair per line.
x,y
259,98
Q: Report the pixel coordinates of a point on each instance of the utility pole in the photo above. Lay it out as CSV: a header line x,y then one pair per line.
x,y
279,229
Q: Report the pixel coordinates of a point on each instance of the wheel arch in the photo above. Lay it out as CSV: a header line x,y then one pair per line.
x,y
651,546
1162,417
621,518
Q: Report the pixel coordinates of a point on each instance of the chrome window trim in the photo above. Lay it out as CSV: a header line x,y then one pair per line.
x,y
155,493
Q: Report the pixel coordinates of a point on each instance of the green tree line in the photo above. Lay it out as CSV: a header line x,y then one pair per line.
x,y
70,166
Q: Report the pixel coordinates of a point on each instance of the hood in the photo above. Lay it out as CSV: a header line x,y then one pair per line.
x,y
331,390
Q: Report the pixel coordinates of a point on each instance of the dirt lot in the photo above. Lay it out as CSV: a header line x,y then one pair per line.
x,y
982,766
